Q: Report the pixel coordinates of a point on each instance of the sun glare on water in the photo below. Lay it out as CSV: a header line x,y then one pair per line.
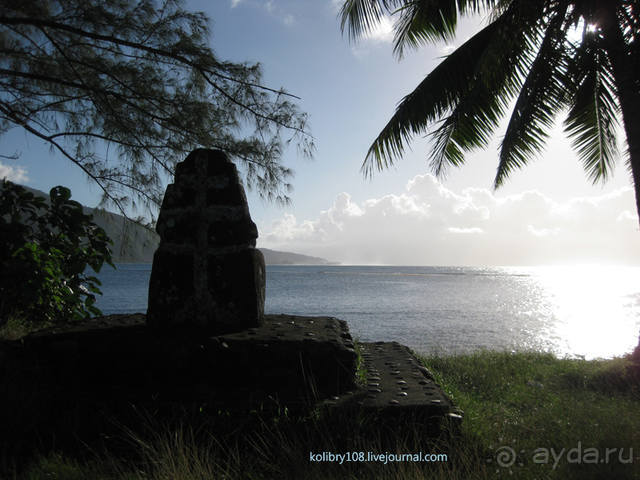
x,y
596,308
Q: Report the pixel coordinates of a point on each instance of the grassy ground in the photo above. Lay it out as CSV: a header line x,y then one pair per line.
x,y
527,415
534,416
14,329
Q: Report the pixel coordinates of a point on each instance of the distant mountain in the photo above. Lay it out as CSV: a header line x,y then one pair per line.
x,y
274,257
133,243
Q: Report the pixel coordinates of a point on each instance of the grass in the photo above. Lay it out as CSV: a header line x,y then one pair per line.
x,y
558,416
15,329
361,369
525,403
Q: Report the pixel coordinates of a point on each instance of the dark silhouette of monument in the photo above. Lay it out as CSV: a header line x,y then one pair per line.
x,y
207,274
206,340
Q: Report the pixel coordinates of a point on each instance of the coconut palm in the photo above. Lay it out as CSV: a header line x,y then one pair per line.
x,y
578,58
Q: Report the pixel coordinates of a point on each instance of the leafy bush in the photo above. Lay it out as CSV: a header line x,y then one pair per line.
x,y
45,248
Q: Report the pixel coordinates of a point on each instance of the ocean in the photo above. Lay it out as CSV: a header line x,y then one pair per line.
x,y
587,312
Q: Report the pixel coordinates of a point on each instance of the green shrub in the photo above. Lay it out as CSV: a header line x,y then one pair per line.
x,y
45,248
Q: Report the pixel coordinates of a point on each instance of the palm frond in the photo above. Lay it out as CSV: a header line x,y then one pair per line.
x,y
591,122
435,96
541,98
470,125
498,77
419,21
360,17
471,87
468,91
424,21
469,7
629,17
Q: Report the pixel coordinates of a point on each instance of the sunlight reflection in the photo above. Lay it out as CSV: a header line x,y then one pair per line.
x,y
596,308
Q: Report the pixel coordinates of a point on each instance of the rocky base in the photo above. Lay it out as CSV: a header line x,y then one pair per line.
x,y
118,358
117,365
397,387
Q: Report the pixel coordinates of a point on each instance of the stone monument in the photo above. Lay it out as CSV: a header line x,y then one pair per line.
x,y
205,339
207,275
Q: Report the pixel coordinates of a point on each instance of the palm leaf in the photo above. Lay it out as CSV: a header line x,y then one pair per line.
x,y
591,122
469,89
434,97
541,98
423,21
359,17
419,20
497,78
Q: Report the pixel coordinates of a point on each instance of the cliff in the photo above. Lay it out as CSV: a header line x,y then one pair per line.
x,y
133,243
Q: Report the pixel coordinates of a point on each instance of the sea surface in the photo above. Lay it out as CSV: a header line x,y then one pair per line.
x,y
590,312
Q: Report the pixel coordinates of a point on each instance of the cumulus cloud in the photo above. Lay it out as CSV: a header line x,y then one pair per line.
x,y
429,224
382,34
383,31
13,174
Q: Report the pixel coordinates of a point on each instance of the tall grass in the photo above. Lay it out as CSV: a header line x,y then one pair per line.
x,y
524,402
15,328
538,406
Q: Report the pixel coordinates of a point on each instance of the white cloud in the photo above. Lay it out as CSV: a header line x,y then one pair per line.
x,y
429,224
383,31
235,3
13,174
542,232
465,231
289,19
382,34
627,216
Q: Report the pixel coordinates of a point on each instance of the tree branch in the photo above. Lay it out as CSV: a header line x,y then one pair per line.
x,y
38,22
57,146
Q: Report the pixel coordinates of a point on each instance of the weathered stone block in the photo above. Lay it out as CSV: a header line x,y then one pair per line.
x,y
214,294
207,274
205,163
180,229
217,195
117,358
172,275
311,355
225,233
177,197
236,296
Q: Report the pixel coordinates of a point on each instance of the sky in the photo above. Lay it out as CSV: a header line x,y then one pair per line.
x,y
548,213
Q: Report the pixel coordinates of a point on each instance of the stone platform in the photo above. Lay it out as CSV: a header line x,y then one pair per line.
x,y
291,355
293,361
396,386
